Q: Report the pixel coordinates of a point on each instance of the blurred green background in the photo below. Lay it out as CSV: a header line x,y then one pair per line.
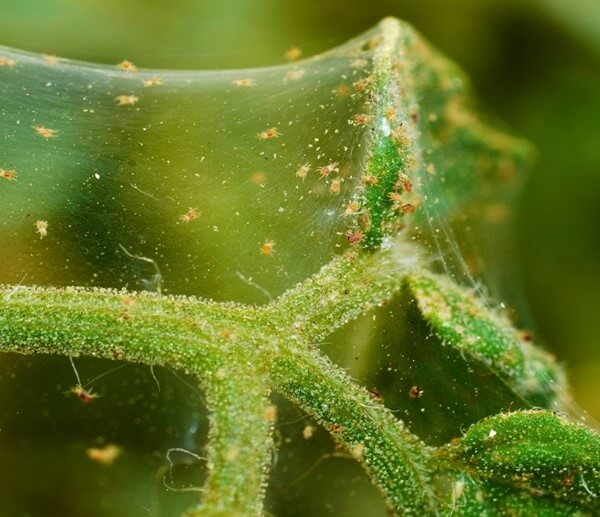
x,y
535,63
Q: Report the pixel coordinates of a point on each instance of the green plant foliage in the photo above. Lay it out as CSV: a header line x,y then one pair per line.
x,y
410,150
464,322
528,461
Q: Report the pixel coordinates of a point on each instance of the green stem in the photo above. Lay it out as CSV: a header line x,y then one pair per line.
x,y
147,329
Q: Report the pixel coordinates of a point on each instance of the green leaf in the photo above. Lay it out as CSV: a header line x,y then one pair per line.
x,y
530,459
464,321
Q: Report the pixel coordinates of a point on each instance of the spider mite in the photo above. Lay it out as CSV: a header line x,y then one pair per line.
x,y
354,236
271,413
335,186
395,197
308,432
415,392
404,183
401,137
294,75
153,81
128,66
267,248
525,335
8,174
83,394
126,100
328,169
358,63
408,208
361,119
189,216
293,53
375,393
7,61
269,133
104,455
362,85
51,59
41,227
369,179
244,82
390,113
342,91
302,171
351,208
45,132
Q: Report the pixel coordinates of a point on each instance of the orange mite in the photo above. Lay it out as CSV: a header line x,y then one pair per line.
x,y
267,248
294,75
153,81
51,59
83,394
7,61
45,132
269,133
292,53
354,237
303,171
328,169
361,119
128,66
42,228
104,455
404,183
335,186
369,179
351,208
244,82
190,215
126,100
8,174
415,392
